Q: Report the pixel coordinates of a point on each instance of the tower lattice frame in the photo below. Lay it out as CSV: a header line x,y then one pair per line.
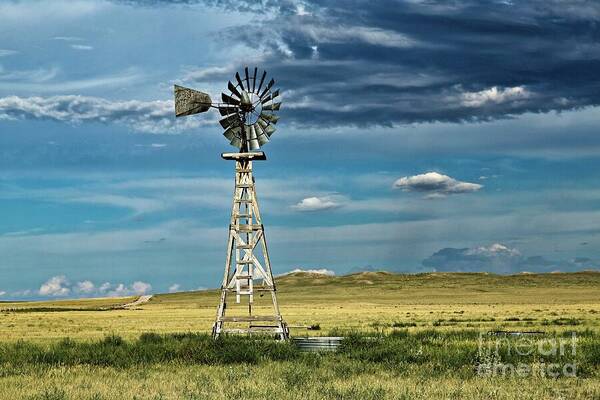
x,y
246,271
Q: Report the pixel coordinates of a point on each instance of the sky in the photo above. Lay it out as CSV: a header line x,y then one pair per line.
x,y
415,136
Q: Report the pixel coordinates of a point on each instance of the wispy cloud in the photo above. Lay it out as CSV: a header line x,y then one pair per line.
x,y
140,205
5,52
143,116
28,76
24,232
68,38
45,80
82,47
27,12
180,233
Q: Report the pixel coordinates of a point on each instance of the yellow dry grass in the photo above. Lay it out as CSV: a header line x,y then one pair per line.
x,y
365,302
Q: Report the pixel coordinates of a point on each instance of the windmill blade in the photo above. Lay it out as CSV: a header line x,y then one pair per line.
x,y
232,120
226,110
259,130
263,139
253,144
247,79
252,138
237,142
261,81
232,132
239,80
229,100
269,85
254,79
269,130
271,97
246,99
262,122
262,136
233,89
189,101
251,133
272,107
272,118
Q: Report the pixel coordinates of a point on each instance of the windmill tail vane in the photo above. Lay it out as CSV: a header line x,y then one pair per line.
x,y
248,109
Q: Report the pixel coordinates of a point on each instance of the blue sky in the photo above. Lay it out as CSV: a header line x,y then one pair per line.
x,y
414,136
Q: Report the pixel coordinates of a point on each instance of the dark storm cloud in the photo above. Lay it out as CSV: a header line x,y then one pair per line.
x,y
501,259
384,63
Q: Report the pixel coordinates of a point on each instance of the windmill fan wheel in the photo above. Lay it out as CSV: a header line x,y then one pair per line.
x,y
249,110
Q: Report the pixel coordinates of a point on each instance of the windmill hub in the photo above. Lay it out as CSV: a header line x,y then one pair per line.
x,y
249,121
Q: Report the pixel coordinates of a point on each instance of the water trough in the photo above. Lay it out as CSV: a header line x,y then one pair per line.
x,y
318,343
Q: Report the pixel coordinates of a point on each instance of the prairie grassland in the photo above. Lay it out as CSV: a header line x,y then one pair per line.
x,y
367,302
427,329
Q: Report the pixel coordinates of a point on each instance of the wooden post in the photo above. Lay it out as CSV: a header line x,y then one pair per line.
x,y
242,265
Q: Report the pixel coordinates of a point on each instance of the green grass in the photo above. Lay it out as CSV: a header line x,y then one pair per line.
x,y
447,351
378,367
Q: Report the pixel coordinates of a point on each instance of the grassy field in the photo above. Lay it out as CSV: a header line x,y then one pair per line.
x,y
424,336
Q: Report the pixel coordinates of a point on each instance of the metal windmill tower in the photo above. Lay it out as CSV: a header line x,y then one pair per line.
x,y
248,109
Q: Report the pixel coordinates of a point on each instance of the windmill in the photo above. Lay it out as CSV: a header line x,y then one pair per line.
x,y
248,110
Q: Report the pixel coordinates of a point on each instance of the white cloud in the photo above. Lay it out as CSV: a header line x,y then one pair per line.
x,y
494,95
85,287
55,286
61,286
301,10
104,287
321,271
139,287
174,288
121,290
2,293
435,185
316,204
84,47
143,116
